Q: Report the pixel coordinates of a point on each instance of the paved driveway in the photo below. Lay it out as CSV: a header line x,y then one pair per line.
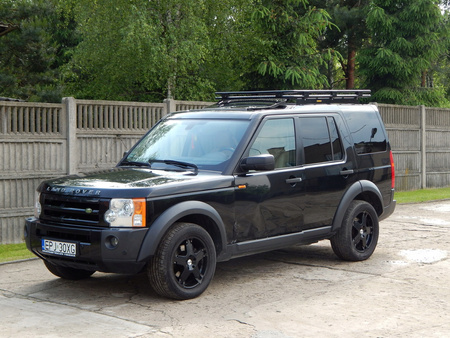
x,y
402,291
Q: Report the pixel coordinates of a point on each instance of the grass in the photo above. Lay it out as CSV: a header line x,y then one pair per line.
x,y
13,252
423,195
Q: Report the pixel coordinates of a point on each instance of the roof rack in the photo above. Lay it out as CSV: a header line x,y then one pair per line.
x,y
300,96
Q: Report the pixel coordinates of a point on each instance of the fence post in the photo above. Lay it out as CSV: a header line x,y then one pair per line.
x,y
71,134
423,145
3,128
169,106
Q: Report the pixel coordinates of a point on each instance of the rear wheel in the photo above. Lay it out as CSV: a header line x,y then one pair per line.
x,y
68,273
358,236
184,263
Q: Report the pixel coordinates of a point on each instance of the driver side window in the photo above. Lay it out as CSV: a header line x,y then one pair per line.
x,y
277,138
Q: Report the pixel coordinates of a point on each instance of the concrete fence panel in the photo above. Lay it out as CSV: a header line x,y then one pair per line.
x,y
32,149
420,139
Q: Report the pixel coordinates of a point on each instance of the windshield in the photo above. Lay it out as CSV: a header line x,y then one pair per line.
x,y
207,144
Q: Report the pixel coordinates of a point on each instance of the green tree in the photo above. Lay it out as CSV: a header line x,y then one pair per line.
x,y
134,50
28,65
288,56
346,38
233,45
438,75
405,36
188,49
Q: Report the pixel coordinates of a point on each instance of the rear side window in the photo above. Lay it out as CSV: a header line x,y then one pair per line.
x,y
320,139
367,132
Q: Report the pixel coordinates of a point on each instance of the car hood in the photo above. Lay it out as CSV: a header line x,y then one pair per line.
x,y
135,182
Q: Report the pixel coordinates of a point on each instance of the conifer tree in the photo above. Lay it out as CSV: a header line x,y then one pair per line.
x,y
405,36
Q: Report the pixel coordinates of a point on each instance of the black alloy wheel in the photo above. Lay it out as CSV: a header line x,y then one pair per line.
x,y
185,262
358,236
362,231
190,262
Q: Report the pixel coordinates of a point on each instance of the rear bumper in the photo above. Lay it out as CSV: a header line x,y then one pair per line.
x,y
94,249
388,211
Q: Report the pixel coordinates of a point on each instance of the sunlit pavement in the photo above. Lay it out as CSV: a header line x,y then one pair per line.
x,y
402,291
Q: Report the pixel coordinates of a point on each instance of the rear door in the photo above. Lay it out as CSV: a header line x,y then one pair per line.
x,y
327,167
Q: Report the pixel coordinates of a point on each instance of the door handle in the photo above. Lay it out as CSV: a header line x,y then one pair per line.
x,y
293,180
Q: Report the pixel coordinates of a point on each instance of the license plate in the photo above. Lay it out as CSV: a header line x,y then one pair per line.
x,y
59,248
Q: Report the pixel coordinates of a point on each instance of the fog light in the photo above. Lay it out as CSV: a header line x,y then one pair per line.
x,y
111,242
114,241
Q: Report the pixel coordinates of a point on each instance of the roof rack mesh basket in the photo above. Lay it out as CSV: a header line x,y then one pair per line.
x,y
298,96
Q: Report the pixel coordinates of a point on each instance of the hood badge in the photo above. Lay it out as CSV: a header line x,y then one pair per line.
x,y
76,191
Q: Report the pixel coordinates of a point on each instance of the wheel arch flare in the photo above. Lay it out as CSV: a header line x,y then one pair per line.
x,y
190,211
362,190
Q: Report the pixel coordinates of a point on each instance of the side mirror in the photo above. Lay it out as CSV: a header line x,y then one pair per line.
x,y
259,163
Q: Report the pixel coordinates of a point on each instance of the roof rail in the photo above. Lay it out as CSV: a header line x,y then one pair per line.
x,y
300,96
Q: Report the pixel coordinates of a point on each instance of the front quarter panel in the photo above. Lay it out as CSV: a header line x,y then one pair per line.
x,y
162,224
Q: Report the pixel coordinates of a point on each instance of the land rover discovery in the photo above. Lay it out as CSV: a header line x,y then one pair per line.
x,y
259,171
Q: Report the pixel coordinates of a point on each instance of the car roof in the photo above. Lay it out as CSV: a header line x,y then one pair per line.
x,y
251,112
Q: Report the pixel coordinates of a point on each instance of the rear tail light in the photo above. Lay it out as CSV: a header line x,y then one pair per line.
x,y
392,171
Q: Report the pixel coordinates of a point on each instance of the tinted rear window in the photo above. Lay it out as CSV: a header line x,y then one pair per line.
x,y
320,139
367,132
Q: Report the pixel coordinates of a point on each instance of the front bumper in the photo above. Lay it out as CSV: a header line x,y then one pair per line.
x,y
94,251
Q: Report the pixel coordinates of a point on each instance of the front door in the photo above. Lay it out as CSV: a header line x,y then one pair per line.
x,y
271,203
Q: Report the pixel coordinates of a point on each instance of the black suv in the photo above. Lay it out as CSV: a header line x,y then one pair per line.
x,y
258,171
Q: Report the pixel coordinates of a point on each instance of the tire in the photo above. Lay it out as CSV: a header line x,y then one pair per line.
x,y
184,263
68,273
358,236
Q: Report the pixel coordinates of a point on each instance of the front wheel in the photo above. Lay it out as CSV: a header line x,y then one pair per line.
x,y
358,236
67,273
184,263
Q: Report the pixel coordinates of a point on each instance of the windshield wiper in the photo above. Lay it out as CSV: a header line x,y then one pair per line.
x,y
136,164
179,164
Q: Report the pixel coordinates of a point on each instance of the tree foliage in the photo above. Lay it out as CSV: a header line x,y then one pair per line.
x,y
405,38
288,55
188,49
129,49
138,50
349,16
28,55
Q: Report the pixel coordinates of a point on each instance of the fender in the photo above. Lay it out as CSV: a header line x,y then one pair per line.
x,y
354,190
160,226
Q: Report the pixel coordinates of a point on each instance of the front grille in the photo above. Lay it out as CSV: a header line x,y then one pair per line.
x,y
82,211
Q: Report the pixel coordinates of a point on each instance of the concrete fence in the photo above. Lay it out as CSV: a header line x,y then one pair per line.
x,y
420,139
40,141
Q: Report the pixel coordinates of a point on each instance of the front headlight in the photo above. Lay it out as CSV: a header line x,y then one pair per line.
x,y
126,212
37,204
